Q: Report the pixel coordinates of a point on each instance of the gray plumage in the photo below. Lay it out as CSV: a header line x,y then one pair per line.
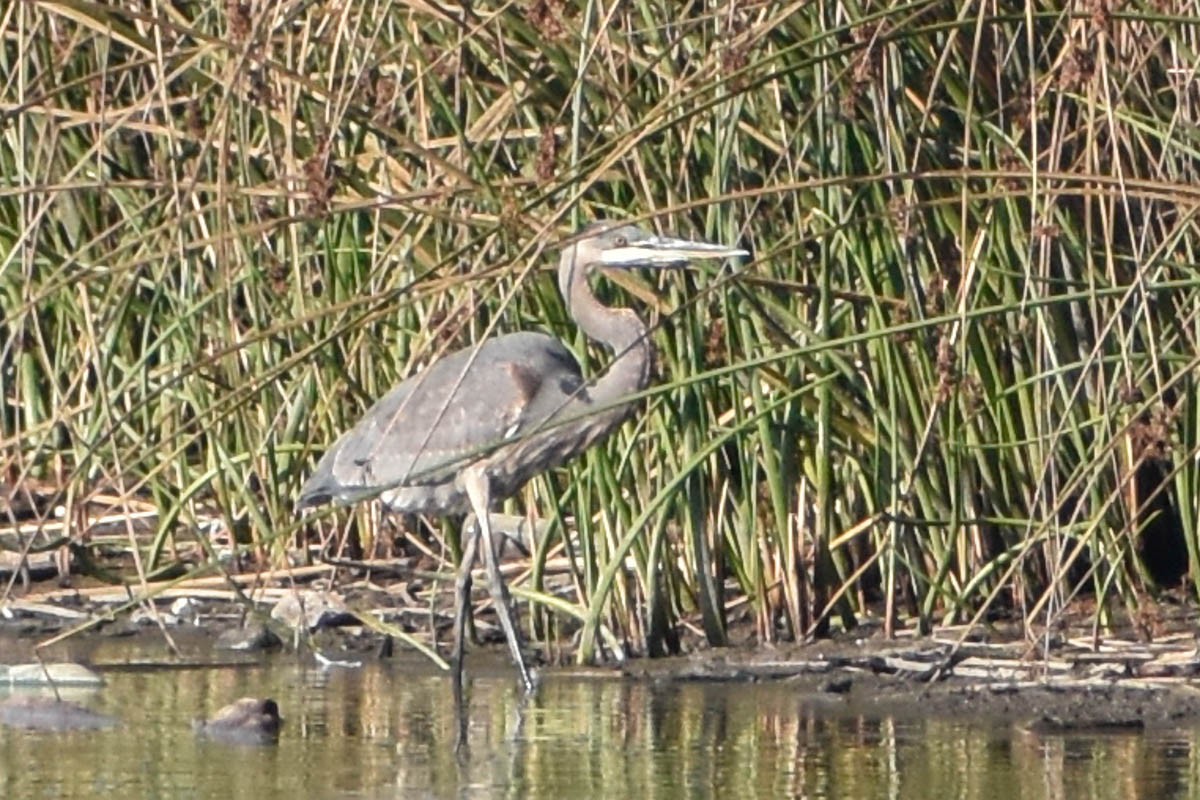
x,y
476,425
411,445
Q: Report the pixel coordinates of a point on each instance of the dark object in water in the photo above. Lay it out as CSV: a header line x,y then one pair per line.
x,y
35,712
1052,725
248,720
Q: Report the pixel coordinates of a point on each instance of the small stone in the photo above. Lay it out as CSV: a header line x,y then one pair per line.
x,y
63,673
252,637
312,610
144,617
186,609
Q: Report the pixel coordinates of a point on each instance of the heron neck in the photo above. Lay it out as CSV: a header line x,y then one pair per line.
x,y
620,330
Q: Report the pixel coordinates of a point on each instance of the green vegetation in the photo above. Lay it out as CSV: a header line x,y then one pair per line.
x,y
958,377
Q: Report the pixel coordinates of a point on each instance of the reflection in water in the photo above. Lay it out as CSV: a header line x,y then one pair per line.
x,y
388,731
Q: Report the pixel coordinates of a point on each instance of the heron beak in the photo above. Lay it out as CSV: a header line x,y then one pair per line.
x,y
659,251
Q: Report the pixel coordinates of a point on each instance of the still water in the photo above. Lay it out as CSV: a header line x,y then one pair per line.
x,y
387,731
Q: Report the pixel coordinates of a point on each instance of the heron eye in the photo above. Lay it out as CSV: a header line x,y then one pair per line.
x,y
620,241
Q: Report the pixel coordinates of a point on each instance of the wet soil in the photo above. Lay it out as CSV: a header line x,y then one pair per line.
x,y
877,679
1072,685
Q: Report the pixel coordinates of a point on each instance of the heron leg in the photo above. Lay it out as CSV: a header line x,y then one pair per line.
x,y
460,711
479,491
462,597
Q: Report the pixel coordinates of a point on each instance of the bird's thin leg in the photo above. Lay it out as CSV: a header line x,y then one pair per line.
x,y
476,484
462,596
460,712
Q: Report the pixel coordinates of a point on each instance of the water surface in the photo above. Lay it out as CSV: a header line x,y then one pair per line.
x,y
387,730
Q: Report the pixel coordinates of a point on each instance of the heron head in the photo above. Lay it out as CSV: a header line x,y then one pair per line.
x,y
630,246
605,245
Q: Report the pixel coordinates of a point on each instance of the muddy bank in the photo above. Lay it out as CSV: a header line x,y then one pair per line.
x,y
1076,685
1041,707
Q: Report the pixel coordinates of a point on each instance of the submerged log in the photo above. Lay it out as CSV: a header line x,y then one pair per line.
x,y
48,714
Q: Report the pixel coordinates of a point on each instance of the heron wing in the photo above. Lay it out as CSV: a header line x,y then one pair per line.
x,y
457,410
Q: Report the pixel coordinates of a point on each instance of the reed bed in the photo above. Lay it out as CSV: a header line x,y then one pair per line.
x,y
956,381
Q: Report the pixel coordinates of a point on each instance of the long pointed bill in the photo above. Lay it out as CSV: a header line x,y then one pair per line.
x,y
661,251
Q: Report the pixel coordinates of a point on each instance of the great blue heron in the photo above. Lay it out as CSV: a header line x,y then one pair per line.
x,y
475,426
